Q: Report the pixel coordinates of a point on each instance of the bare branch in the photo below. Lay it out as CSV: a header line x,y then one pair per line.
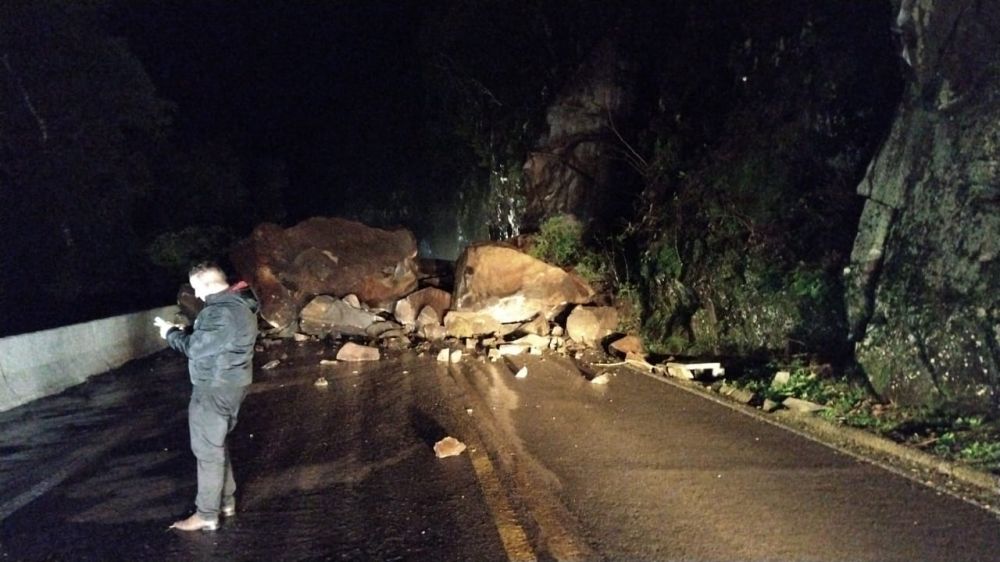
x,y
27,99
638,157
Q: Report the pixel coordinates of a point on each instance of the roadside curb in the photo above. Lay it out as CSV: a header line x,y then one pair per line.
x,y
856,442
860,438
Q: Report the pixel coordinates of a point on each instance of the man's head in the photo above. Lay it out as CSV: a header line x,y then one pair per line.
x,y
207,279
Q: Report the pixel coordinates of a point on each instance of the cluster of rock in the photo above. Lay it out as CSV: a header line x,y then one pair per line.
x,y
333,277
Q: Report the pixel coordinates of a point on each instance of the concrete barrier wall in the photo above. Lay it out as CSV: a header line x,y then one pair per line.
x,y
42,363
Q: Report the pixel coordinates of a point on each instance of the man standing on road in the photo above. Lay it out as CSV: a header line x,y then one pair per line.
x,y
220,361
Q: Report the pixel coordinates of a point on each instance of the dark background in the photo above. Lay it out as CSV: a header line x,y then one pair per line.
x,y
136,137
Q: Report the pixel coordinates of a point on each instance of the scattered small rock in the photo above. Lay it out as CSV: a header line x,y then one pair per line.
x,y
769,405
352,300
271,364
740,395
471,343
300,337
494,354
538,325
328,361
601,379
512,349
558,331
456,356
628,345
383,329
678,370
781,378
354,352
803,406
432,332
321,382
444,355
448,447
521,373
533,340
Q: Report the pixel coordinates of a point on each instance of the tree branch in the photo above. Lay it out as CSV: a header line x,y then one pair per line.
x,y
27,99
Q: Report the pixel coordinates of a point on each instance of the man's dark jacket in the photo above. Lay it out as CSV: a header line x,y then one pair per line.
x,y
220,349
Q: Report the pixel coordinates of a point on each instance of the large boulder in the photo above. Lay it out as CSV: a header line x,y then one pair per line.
x,y
324,256
590,324
924,276
511,286
325,314
407,308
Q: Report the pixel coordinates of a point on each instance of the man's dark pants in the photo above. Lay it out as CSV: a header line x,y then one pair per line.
x,y
211,416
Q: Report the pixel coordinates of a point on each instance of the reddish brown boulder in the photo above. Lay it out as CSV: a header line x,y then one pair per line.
x,y
589,324
329,256
409,307
511,286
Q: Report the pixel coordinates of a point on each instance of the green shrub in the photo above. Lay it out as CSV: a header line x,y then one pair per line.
x,y
559,241
809,283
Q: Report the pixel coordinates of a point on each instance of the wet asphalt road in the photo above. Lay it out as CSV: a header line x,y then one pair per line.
x,y
557,468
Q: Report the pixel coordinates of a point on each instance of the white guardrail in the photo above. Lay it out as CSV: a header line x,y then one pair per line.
x,y
46,362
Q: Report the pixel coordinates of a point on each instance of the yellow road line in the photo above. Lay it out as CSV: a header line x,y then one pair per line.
x,y
512,535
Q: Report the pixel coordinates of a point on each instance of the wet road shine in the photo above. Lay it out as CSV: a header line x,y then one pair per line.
x,y
556,468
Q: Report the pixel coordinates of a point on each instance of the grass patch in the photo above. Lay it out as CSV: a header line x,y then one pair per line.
x,y
974,440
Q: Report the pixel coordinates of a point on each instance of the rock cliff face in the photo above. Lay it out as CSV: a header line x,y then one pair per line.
x,y
571,169
924,278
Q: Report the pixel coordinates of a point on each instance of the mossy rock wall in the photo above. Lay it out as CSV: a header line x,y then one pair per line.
x,y
925,268
733,307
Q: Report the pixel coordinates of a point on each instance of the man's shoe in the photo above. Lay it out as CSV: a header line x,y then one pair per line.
x,y
195,523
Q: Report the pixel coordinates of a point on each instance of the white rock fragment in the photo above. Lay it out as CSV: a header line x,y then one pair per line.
x,y
522,373
354,352
679,371
770,405
322,382
300,337
803,406
494,354
443,355
456,356
781,378
271,364
533,340
715,368
512,349
601,379
328,361
448,447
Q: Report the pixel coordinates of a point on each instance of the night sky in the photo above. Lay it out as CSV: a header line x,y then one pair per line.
x,y
327,87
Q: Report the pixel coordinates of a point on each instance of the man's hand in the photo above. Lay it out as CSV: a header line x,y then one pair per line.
x,y
164,326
